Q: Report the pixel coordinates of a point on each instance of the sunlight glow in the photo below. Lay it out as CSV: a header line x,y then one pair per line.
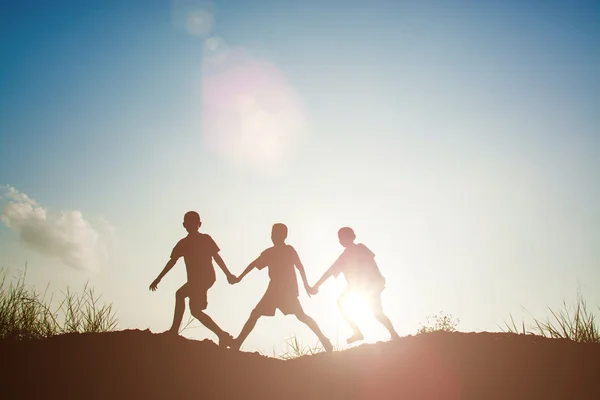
x,y
195,17
199,23
357,307
251,115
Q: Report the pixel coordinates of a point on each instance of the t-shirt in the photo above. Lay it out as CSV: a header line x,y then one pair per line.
x,y
358,265
197,250
281,261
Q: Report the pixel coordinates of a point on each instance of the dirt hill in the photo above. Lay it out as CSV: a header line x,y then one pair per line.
x,y
137,364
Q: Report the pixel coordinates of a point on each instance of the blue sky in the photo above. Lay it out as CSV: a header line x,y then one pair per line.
x,y
460,140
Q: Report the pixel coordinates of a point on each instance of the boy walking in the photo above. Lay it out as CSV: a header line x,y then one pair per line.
x,y
198,251
362,274
282,292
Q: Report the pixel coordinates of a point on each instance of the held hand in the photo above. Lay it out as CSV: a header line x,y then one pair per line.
x,y
307,288
312,290
232,279
154,285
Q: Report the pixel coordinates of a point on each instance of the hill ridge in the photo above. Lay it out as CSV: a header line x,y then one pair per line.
x,y
440,365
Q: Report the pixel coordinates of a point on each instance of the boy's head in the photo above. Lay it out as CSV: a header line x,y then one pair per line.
x,y
346,236
279,233
191,221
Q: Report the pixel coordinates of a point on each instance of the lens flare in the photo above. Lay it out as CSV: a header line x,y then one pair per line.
x,y
251,115
356,307
195,17
199,23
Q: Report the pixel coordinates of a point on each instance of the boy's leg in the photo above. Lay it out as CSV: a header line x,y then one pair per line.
x,y
265,307
248,326
303,317
198,303
224,337
180,296
377,308
357,333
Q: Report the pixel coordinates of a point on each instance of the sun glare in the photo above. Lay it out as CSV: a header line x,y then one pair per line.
x,y
357,307
251,114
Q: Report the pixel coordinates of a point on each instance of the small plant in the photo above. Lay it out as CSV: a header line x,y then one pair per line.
x,y
440,322
27,314
295,349
83,313
575,323
190,324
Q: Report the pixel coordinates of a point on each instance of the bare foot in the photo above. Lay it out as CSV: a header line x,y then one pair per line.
x,y
327,345
354,338
225,340
235,344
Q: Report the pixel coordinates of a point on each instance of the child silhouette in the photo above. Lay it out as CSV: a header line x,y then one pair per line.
x,y
362,274
282,292
198,251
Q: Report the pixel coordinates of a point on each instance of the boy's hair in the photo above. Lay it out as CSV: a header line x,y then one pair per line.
x,y
192,216
280,228
347,232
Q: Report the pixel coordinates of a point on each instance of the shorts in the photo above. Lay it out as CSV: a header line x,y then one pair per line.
x,y
273,300
198,294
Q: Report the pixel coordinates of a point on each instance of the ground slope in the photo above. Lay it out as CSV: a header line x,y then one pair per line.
x,y
138,364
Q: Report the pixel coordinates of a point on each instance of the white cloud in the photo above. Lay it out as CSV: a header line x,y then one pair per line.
x,y
64,235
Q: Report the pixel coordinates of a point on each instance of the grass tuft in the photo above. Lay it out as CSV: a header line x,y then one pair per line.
x,y
440,322
294,348
28,314
574,323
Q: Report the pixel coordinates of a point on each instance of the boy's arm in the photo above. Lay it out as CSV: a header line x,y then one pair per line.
x,y
249,268
334,270
230,277
325,276
214,249
300,268
261,262
170,264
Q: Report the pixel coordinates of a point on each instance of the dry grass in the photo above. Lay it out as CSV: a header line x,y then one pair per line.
x,y
294,348
574,323
28,314
440,322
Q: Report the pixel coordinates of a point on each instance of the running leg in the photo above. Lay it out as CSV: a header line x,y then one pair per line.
x,y
248,326
302,317
198,303
357,333
180,296
377,308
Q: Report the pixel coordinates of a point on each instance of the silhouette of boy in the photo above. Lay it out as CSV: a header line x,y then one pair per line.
x,y
198,251
282,292
362,274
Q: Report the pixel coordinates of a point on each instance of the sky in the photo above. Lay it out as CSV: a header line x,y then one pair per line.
x,y
459,139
